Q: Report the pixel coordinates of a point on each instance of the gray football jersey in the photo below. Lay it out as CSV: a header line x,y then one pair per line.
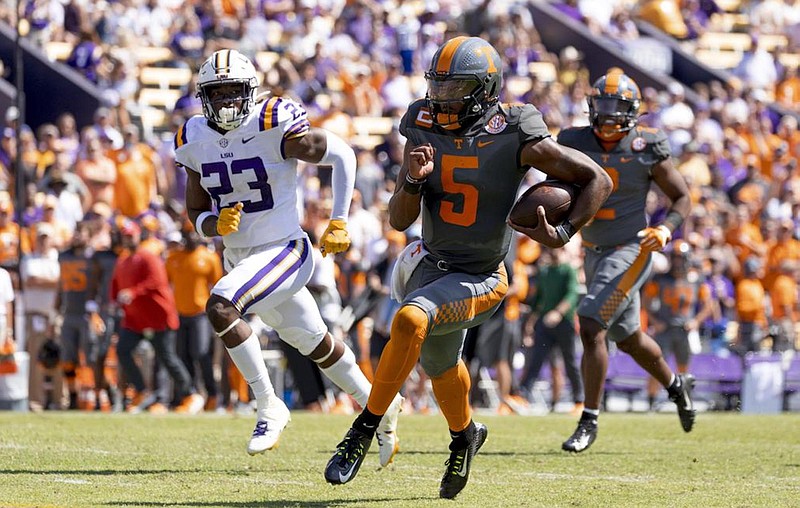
x,y
629,165
467,198
74,285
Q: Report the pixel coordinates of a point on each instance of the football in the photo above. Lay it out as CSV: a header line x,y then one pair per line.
x,y
556,198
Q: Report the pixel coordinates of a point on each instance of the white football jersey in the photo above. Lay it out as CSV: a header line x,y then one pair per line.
x,y
247,164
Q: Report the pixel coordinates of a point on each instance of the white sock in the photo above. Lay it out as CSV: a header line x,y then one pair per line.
x,y
593,412
347,375
248,359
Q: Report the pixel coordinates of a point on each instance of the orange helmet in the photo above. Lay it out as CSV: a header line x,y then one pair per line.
x,y
614,102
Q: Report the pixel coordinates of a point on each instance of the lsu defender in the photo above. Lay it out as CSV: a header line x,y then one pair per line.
x,y
465,157
619,243
241,159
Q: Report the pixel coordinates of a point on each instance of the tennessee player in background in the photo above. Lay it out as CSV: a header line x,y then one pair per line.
x,y
677,302
241,160
619,243
465,157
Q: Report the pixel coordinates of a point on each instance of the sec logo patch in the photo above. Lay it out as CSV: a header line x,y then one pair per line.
x,y
638,144
496,124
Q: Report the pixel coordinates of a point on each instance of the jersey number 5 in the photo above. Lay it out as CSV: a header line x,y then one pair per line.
x,y
239,166
469,208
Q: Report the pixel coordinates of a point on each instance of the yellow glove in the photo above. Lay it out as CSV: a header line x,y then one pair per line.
x,y
228,221
335,239
654,239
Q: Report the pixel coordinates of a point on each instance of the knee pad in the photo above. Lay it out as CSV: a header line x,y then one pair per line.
x,y
410,325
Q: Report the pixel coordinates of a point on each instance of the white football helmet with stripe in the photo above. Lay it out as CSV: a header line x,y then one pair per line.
x,y
223,68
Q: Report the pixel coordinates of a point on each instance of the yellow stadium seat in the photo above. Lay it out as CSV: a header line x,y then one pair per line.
x,y
165,77
544,71
57,51
158,97
717,59
146,55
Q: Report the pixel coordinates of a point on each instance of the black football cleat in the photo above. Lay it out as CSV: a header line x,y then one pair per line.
x,y
456,473
346,462
583,437
683,399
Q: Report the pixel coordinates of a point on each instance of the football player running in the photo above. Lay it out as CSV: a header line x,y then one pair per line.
x,y
619,243
465,157
241,160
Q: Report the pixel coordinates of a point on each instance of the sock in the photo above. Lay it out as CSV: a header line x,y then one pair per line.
x,y
248,359
367,422
674,388
590,414
460,439
347,375
399,357
452,393
651,401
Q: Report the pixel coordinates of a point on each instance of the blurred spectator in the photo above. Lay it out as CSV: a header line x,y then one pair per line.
x,y
86,56
784,301
677,302
723,305
193,269
757,67
787,93
553,306
9,235
99,173
751,312
664,15
137,169
61,231
6,306
140,286
40,274
68,206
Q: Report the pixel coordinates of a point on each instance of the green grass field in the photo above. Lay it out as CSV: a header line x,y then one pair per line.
x,y
81,460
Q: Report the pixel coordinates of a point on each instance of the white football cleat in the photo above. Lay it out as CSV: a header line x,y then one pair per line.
x,y
269,427
388,442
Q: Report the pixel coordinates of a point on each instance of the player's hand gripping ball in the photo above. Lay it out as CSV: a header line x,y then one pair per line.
x,y
335,239
229,217
556,198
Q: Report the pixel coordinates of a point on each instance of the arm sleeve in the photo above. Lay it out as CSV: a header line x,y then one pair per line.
x,y
342,158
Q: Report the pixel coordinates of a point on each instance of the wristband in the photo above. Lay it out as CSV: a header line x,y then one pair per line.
x,y
562,233
673,221
569,228
413,185
198,224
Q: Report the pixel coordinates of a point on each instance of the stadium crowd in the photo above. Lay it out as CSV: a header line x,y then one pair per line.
x,y
87,188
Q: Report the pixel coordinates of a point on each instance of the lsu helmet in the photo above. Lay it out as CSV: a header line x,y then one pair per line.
x,y
614,103
464,80
227,67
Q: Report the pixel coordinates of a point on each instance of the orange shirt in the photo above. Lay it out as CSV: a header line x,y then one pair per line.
x,y
783,294
136,181
193,274
789,250
751,232
9,240
750,298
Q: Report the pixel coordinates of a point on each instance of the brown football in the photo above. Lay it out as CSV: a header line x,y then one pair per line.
x,y
556,198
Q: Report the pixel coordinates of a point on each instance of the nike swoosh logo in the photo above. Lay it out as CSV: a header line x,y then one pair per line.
x,y
463,471
625,159
481,144
247,140
344,478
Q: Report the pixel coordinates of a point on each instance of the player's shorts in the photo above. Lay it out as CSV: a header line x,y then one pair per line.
x,y
270,281
674,340
614,277
454,301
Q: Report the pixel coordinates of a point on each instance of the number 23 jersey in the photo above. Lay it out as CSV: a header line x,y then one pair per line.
x,y
248,164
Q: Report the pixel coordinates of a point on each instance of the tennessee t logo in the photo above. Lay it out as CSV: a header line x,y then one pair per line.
x,y
458,142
